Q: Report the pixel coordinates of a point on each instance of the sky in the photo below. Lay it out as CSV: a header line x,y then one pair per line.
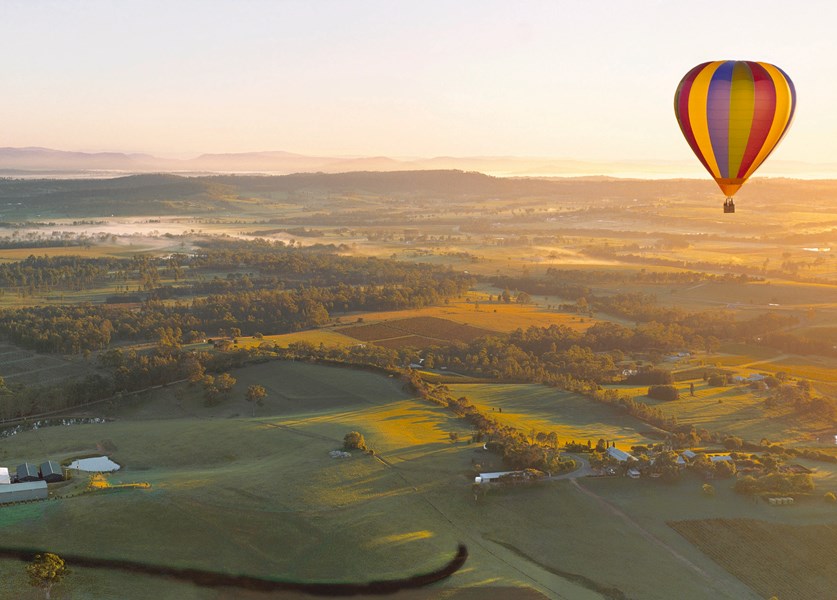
x,y
588,80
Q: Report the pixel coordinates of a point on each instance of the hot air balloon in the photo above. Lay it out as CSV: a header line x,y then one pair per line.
x,y
733,113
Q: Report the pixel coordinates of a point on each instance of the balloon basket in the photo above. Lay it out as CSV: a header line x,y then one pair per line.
x,y
729,206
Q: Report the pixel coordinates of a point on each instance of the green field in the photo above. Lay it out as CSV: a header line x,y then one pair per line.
x,y
733,410
571,416
261,496
793,562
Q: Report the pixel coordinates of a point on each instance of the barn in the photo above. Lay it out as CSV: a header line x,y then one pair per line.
x,y
22,492
51,472
27,472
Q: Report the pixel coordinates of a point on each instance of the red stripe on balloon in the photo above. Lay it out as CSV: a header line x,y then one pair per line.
x,y
681,110
763,114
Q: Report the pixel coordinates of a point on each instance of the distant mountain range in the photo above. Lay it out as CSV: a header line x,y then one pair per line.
x,y
29,162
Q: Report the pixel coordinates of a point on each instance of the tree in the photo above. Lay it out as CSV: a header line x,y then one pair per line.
x,y
210,390
354,441
45,571
724,469
733,443
225,382
193,369
255,395
663,392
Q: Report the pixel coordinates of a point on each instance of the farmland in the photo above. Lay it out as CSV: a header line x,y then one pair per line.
x,y
735,410
19,366
211,489
494,316
789,561
414,331
540,408
259,494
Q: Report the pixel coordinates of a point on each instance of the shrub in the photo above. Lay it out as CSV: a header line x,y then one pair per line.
x,y
354,441
724,469
708,489
733,443
717,380
830,498
663,392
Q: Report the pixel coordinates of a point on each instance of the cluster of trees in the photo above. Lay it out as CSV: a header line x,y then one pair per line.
x,y
86,327
557,277
800,396
775,483
287,289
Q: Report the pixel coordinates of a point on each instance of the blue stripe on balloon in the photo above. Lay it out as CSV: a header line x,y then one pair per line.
x,y
717,114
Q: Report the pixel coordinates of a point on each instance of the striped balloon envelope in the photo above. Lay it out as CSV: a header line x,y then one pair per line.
x,y
733,113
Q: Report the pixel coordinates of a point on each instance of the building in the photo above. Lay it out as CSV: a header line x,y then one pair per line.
x,y
721,458
5,478
509,476
27,472
688,454
51,472
633,473
22,492
492,477
620,455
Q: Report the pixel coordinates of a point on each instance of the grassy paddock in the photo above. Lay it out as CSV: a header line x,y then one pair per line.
x,y
571,416
493,316
261,496
792,562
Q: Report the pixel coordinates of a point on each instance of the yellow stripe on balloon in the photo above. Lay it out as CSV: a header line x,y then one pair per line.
x,y
741,108
697,115
780,118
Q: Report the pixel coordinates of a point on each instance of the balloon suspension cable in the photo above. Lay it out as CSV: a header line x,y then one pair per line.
x,y
729,205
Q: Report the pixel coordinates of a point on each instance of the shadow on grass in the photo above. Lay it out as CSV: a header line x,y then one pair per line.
x,y
215,579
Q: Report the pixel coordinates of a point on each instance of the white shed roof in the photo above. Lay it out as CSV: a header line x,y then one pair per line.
x,y
496,474
724,458
4,476
28,485
619,455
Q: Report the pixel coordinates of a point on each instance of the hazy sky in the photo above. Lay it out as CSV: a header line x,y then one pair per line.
x,y
574,79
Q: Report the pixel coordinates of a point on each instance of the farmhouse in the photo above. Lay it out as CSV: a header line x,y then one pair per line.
x,y
620,455
51,472
27,472
21,492
5,478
